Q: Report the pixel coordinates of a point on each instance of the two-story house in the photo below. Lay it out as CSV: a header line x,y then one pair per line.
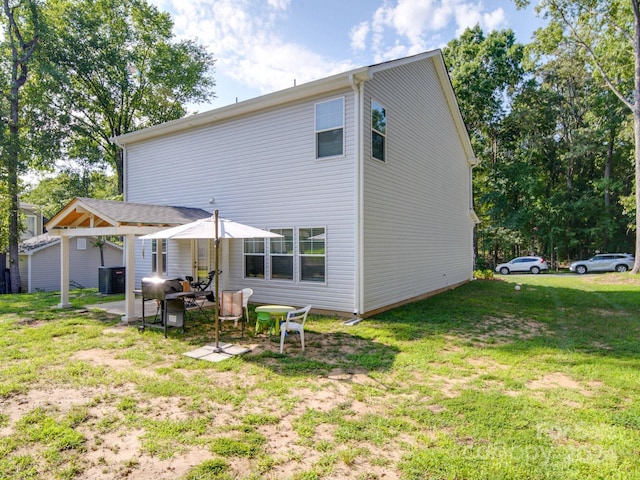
x,y
366,174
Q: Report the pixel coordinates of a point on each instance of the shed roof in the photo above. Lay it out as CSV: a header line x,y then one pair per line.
x,y
40,242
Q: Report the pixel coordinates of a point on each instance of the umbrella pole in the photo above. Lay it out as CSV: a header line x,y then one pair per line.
x,y
216,245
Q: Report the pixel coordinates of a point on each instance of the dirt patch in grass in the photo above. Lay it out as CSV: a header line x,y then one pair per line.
x,y
496,330
562,381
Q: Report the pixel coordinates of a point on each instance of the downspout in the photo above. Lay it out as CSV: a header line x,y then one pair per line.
x,y
357,85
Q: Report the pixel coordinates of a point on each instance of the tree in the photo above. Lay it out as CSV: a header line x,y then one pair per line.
x,y
608,31
53,193
485,71
114,68
21,20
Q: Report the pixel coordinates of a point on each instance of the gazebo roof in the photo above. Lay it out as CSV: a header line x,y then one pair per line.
x,y
90,216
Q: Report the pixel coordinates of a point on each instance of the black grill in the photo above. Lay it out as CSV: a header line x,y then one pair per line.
x,y
158,288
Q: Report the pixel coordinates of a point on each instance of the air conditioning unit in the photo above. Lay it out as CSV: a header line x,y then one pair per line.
x,y
111,279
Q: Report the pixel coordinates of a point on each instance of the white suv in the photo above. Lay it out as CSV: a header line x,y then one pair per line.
x,y
523,264
604,262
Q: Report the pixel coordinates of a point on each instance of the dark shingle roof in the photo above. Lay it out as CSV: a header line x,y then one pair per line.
x,y
34,243
90,212
125,212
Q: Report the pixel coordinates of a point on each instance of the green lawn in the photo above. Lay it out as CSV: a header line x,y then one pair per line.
x,y
482,382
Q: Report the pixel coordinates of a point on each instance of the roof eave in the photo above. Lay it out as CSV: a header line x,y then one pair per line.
x,y
292,94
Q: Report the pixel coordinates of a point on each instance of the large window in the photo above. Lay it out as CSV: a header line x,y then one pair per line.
x,y
312,254
281,254
330,128
254,257
159,257
378,131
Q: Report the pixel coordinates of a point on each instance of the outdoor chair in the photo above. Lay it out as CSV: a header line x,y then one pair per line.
x,y
231,307
246,293
294,323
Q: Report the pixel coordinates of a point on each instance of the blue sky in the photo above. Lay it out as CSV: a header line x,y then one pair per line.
x,y
262,46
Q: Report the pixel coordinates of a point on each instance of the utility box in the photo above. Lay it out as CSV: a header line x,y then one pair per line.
x,y
175,312
111,279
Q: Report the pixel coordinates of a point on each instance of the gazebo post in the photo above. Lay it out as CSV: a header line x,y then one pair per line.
x,y
64,272
130,278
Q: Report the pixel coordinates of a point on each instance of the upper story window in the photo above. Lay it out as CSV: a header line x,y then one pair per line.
x,y
330,128
378,131
31,227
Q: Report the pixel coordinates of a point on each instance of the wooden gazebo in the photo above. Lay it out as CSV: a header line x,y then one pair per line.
x,y
89,216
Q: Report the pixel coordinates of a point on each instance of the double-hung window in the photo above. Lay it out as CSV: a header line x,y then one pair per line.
x,y
312,254
254,257
159,257
378,131
330,128
281,254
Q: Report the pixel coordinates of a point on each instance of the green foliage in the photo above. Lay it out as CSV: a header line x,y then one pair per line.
x,y
53,193
112,67
483,274
555,143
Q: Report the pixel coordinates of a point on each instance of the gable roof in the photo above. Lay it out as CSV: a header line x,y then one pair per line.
x,y
325,85
87,216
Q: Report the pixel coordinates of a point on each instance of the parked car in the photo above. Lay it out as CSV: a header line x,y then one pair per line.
x,y
523,264
604,262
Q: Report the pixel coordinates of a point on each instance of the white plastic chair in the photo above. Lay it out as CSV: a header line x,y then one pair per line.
x,y
246,293
294,323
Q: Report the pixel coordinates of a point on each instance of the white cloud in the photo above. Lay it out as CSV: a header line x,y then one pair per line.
x,y
244,39
279,4
358,35
417,25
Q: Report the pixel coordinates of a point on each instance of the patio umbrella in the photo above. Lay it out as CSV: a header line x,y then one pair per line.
x,y
216,228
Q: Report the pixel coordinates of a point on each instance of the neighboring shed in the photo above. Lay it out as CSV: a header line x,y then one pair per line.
x,y
40,262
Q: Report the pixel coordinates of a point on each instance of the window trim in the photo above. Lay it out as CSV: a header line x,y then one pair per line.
x,y
317,130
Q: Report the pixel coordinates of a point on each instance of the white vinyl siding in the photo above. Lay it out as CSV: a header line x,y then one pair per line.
x,y
261,167
417,229
262,171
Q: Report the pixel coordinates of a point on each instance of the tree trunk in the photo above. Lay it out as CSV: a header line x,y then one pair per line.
x,y
21,52
13,161
636,125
